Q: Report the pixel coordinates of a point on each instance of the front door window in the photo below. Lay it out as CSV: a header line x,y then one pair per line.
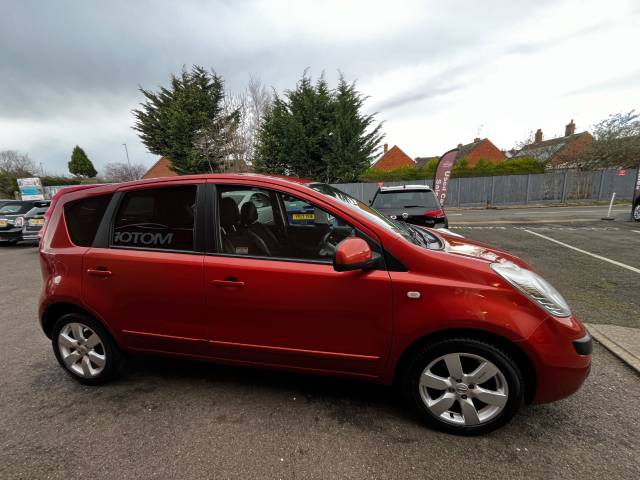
x,y
266,223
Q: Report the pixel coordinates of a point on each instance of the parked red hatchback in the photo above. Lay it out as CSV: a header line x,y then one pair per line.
x,y
290,274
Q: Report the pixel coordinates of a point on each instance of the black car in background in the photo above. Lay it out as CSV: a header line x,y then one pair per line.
x,y
21,220
416,204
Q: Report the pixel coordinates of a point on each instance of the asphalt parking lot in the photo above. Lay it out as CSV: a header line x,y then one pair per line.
x,y
172,419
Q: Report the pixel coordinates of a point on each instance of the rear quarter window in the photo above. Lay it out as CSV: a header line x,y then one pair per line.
x,y
83,218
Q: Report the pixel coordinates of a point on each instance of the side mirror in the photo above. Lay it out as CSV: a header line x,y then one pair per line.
x,y
354,253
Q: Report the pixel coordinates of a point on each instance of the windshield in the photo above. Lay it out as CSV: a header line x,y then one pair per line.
x,y
411,233
37,211
15,208
406,199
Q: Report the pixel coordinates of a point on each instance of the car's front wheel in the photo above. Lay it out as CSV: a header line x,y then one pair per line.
x,y
463,386
636,212
85,349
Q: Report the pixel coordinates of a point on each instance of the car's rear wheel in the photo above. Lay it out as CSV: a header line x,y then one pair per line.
x,y
636,212
85,349
463,386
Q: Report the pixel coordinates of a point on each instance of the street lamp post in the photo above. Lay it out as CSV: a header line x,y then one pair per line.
x,y
126,151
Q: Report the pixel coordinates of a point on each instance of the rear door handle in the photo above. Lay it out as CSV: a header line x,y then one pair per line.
x,y
98,272
228,283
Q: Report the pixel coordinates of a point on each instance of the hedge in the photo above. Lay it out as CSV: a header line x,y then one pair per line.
x,y
483,168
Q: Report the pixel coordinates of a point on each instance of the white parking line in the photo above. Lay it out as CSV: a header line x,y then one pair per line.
x,y
599,257
637,231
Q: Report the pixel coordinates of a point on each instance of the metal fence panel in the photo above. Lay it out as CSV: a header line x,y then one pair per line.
x,y
555,186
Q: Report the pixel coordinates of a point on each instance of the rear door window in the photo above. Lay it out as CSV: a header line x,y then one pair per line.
x,y
156,219
83,218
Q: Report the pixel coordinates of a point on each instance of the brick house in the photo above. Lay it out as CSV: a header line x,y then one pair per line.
x,y
162,168
481,149
561,152
392,158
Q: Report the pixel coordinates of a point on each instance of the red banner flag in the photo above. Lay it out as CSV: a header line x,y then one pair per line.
x,y
635,203
443,173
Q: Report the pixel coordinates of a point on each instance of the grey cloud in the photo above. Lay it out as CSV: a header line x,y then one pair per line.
x,y
68,59
620,82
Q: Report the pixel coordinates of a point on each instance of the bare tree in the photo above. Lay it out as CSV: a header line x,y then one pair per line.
x,y
121,172
16,164
229,145
258,100
617,141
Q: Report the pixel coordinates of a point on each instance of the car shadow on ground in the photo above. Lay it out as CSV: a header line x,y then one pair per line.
x,y
312,388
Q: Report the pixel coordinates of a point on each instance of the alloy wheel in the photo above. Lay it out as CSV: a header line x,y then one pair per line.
x,y
636,213
82,350
463,389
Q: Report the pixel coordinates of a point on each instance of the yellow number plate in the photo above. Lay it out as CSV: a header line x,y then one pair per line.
x,y
37,221
3,223
303,216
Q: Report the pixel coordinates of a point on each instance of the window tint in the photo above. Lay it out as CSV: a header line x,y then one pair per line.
x,y
160,218
265,223
83,218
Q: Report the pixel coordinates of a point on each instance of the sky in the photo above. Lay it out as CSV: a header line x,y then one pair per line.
x,y
438,73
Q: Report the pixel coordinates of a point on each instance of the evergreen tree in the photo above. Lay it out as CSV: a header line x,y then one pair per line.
x,y
317,133
354,138
187,122
80,165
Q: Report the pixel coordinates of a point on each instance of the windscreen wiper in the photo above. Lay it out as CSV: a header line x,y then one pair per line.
x,y
413,234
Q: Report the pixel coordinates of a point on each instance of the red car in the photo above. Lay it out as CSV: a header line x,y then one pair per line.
x,y
306,278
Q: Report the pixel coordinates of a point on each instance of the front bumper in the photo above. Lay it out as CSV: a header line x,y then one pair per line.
x,y
560,349
22,234
11,234
30,233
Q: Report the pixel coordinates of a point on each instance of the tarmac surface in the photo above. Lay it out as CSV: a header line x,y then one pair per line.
x,y
174,419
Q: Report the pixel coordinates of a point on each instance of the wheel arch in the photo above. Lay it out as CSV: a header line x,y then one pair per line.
x,y
56,310
512,349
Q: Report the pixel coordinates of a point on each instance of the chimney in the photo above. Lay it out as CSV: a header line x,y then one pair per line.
x,y
386,147
570,128
476,140
459,145
538,136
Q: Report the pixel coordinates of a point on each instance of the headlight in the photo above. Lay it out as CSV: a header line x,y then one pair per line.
x,y
19,222
533,286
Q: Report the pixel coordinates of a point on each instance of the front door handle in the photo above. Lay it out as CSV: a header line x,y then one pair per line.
x,y
230,282
99,272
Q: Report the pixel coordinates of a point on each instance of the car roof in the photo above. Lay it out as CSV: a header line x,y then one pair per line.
x,y
400,188
283,180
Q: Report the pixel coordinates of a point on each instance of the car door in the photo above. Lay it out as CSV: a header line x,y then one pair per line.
x,y
297,312
144,274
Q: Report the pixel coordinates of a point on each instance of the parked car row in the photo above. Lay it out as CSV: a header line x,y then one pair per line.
x,y
21,220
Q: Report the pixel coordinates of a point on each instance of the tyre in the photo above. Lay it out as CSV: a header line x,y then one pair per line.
x,y
636,212
463,386
85,349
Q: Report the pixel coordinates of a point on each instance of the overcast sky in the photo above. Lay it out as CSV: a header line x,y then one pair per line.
x,y
438,72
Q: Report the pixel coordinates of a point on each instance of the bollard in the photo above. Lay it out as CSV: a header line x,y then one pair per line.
x,y
609,217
